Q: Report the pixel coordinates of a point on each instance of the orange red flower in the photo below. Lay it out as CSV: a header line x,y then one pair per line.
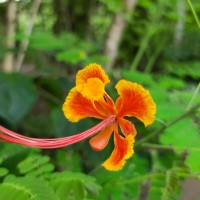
x,y
89,99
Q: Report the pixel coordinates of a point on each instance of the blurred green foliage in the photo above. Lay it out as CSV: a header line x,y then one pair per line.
x,y
13,88
67,36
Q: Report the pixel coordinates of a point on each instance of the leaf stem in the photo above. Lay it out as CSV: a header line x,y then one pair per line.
x,y
169,124
194,13
139,178
169,147
154,175
194,96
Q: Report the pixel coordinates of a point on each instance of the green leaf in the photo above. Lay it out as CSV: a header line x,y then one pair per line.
x,y
26,188
138,77
119,185
72,56
3,171
17,96
46,41
193,156
165,186
192,160
185,69
74,185
35,165
172,186
184,96
167,110
157,185
11,155
69,160
70,189
167,82
182,134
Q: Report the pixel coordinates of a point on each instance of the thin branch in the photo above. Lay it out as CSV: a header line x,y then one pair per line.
x,y
194,13
139,179
169,124
194,96
49,96
169,147
145,177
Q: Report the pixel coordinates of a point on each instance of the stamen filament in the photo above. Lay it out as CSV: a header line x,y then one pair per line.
x,y
9,136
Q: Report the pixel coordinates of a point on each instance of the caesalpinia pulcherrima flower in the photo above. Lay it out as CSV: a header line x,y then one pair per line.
x,y
89,99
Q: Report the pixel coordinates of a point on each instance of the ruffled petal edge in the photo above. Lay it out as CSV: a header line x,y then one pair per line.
x,y
135,101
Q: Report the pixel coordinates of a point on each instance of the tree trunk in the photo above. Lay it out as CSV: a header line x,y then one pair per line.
x,y
8,63
178,36
115,32
29,27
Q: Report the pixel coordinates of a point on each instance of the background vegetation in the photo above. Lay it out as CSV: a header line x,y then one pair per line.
x,y
44,43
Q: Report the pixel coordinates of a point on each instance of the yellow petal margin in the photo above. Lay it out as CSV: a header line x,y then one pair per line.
x,y
135,101
91,80
77,107
123,150
91,71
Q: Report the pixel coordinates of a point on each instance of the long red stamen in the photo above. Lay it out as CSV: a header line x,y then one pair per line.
x,y
9,136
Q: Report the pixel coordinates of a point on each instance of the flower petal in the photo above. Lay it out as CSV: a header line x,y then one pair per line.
x,y
93,89
135,101
100,141
109,101
91,71
123,150
91,80
105,106
77,107
127,127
